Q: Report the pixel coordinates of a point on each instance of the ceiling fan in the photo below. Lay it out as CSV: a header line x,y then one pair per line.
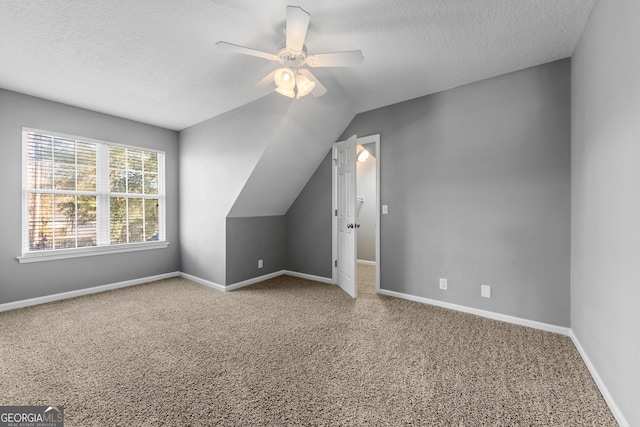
x,y
292,79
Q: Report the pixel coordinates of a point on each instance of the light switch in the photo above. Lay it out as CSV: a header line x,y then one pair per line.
x,y
385,209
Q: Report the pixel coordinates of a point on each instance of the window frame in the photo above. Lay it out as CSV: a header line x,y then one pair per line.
x,y
103,194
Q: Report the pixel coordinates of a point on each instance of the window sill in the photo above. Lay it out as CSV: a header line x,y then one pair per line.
x,y
90,251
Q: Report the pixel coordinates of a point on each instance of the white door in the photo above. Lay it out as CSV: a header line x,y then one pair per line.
x,y
345,156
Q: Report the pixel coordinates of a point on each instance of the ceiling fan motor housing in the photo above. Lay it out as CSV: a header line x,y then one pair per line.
x,y
291,58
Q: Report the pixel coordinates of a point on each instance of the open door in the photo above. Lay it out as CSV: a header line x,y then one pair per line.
x,y
344,156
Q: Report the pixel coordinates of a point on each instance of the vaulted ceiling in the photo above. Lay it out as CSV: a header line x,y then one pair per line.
x,y
155,61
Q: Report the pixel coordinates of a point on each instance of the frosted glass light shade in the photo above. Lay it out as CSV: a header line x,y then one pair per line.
x,y
363,156
304,85
290,93
285,79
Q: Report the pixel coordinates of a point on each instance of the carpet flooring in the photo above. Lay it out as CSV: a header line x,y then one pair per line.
x,y
366,280
286,352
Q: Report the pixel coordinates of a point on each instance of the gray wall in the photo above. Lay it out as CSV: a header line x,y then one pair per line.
x,y
366,187
250,162
216,159
605,285
477,180
308,226
24,281
250,239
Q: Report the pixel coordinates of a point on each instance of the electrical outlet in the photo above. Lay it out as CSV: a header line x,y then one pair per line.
x,y
385,209
485,291
259,263
443,284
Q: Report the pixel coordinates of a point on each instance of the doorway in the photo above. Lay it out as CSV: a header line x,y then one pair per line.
x,y
366,198
364,251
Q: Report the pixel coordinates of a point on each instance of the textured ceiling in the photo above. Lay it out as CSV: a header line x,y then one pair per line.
x,y
155,61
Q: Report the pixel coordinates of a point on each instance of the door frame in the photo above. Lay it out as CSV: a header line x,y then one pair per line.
x,y
334,203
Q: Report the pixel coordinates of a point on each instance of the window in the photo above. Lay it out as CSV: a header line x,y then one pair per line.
x,y
82,196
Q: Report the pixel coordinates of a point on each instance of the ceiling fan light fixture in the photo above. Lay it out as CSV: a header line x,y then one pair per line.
x,y
289,93
293,57
363,156
284,79
304,85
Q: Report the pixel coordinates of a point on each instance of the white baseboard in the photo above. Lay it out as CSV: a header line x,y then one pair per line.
x,y
222,288
81,292
615,410
478,312
327,280
204,282
365,262
254,280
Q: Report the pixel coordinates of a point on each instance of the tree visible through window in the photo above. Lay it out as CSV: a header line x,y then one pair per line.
x,y
83,193
133,187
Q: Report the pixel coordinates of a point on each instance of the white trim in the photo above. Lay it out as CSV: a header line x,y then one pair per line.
x,y
483,313
375,138
86,139
25,179
81,292
615,410
253,281
204,282
320,279
222,288
162,197
378,203
334,217
102,194
365,262
103,201
89,251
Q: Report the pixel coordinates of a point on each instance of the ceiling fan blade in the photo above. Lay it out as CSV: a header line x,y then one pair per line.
x,y
318,90
336,59
266,81
296,29
246,51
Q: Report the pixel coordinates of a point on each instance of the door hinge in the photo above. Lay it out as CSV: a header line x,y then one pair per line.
x,y
335,263
335,213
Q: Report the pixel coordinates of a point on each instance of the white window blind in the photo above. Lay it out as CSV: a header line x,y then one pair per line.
x,y
80,193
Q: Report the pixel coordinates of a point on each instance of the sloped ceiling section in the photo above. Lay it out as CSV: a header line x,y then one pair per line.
x,y
156,61
297,147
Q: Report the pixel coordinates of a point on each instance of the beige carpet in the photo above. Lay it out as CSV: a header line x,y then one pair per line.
x,y
286,352
366,277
